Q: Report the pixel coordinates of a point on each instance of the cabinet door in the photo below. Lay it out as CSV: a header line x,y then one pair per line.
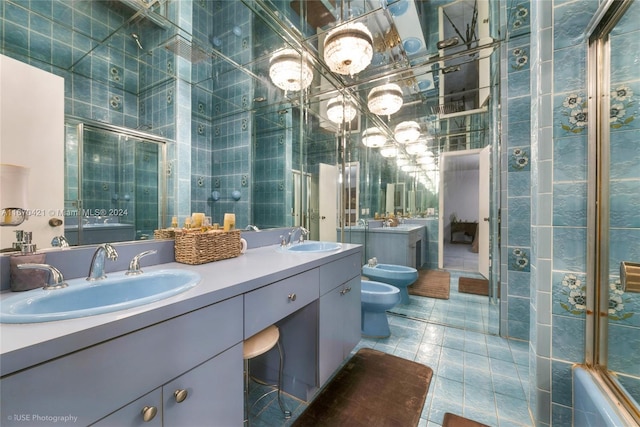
x,y
212,392
351,327
339,330
132,415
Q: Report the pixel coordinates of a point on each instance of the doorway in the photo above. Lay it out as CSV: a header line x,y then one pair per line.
x,y
459,204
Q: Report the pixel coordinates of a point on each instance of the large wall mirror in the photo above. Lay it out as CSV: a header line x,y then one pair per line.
x,y
260,109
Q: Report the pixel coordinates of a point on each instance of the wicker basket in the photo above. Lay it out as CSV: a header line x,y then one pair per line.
x,y
165,233
197,247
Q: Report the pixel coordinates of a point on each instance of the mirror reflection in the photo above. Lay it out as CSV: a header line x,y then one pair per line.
x,y
321,114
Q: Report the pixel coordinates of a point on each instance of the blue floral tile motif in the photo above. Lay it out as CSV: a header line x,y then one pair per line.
x,y
519,259
572,298
617,300
574,291
519,58
573,112
519,18
622,102
519,160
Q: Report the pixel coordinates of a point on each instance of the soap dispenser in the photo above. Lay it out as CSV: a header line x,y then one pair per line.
x,y
24,280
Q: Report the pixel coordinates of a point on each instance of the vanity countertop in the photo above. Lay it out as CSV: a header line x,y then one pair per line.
x,y
400,228
25,345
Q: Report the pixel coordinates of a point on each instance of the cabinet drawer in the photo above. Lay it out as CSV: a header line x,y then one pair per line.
x,y
125,368
131,415
265,306
337,272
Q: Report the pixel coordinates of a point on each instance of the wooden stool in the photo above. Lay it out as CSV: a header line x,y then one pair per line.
x,y
254,346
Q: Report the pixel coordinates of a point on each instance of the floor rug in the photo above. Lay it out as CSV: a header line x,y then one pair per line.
x,y
469,285
372,389
453,420
431,283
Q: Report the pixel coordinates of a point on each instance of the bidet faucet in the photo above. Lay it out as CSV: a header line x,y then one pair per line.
x,y
96,270
134,265
56,281
303,232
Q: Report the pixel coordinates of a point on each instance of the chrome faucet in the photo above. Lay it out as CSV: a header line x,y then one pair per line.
x,y
134,265
252,227
60,241
96,270
303,232
56,281
363,222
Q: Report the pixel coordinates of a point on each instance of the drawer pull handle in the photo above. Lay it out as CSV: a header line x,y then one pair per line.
x,y
149,413
180,395
345,291
292,297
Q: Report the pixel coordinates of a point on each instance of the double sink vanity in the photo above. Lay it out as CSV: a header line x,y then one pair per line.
x,y
178,360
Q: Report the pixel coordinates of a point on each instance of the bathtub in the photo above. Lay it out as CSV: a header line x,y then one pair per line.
x,y
592,406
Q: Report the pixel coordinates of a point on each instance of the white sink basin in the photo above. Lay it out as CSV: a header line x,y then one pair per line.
x,y
311,246
82,298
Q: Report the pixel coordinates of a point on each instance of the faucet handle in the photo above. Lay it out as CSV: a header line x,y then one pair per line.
x,y
56,281
134,265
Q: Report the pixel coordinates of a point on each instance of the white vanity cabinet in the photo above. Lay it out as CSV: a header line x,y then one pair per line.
x,y
198,397
199,351
340,308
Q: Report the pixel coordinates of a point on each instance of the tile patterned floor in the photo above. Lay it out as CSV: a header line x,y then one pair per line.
x,y
467,311
480,376
477,374
459,257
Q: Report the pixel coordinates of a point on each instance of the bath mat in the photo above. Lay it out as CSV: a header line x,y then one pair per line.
x,y
470,285
372,389
431,283
453,420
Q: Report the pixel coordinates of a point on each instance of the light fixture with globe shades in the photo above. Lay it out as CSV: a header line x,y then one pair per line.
x,y
374,138
289,70
348,49
407,132
339,109
389,151
415,148
385,100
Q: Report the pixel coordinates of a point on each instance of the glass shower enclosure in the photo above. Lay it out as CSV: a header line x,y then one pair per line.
x,y
114,184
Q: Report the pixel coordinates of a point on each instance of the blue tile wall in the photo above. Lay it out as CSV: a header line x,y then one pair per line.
x,y
516,160
107,84
561,193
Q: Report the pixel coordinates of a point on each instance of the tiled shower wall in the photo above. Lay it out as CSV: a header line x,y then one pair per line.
x,y
516,173
231,135
559,213
108,84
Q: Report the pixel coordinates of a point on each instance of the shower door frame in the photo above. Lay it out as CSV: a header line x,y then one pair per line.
x,y
598,208
82,124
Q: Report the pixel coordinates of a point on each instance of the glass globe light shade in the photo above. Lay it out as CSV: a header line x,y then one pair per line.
x,y
410,168
348,49
407,132
385,100
401,161
339,110
426,160
374,138
389,151
418,147
289,70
